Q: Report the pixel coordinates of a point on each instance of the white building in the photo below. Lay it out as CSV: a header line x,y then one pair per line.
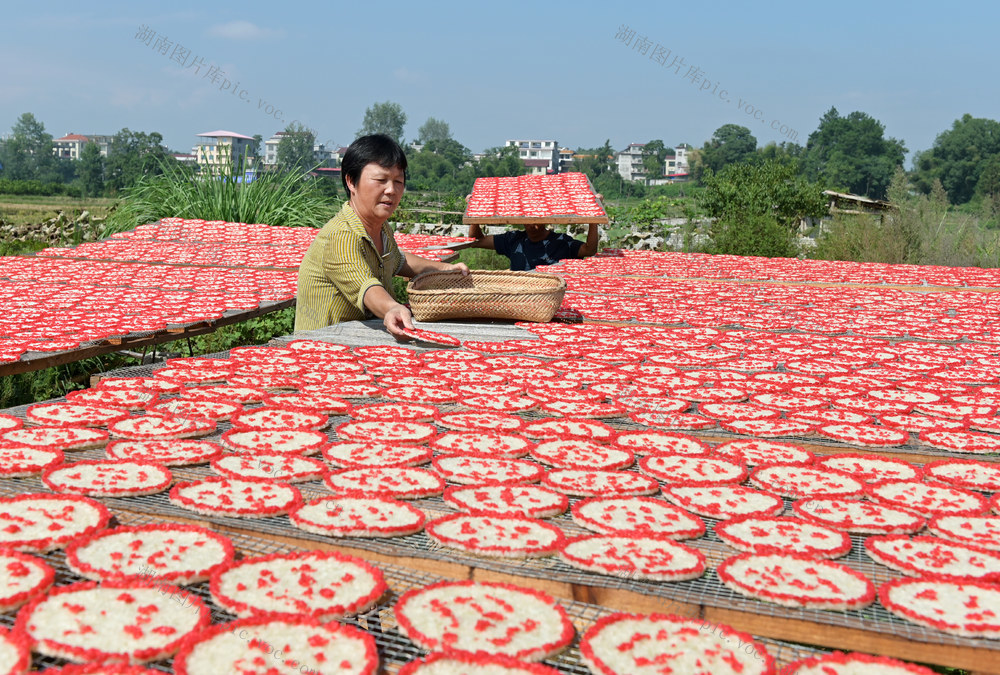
x,y
222,149
630,162
71,145
324,156
676,167
537,150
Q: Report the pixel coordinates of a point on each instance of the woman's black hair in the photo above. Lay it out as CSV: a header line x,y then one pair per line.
x,y
378,148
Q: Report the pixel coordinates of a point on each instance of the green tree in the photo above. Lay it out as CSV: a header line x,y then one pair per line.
x,y
852,153
783,153
253,151
384,118
442,166
654,157
433,130
133,155
594,161
90,170
295,149
27,154
958,157
500,161
730,144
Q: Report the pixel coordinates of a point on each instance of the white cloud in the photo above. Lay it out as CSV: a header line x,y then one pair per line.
x,y
243,30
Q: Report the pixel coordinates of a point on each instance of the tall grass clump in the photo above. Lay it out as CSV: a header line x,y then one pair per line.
x,y
282,198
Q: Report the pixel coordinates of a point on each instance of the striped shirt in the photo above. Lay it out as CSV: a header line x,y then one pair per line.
x,y
339,267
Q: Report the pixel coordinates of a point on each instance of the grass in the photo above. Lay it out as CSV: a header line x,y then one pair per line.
x,y
34,209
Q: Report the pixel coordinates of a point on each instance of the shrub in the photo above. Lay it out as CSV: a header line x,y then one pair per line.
x,y
753,235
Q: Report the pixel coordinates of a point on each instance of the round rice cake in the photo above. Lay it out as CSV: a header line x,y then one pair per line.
x,y
173,553
291,441
22,577
73,415
241,395
858,517
622,515
324,404
275,418
396,482
579,454
661,443
228,497
496,535
587,430
965,473
797,581
644,557
108,478
928,500
481,421
168,453
472,618
369,516
43,522
669,420
865,434
981,531
390,431
803,481
724,501
19,461
487,470
56,438
425,395
651,644
583,409
361,455
854,663
507,500
482,444
757,534
161,427
440,663
9,423
755,451
107,668
326,585
269,466
191,407
933,557
124,399
305,645
579,483
966,608
768,428
687,470
870,468
15,653
118,620
962,441
413,412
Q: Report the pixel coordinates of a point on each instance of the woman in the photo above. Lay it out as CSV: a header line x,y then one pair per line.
x,y
347,272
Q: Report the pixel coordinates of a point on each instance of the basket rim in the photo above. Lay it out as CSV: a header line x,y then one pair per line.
x,y
412,286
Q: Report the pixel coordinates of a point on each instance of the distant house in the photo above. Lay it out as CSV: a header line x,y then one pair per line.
x,y
629,162
538,150
537,167
185,158
71,145
565,159
324,157
222,149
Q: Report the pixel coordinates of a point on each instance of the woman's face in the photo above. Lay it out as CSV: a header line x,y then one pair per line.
x,y
377,193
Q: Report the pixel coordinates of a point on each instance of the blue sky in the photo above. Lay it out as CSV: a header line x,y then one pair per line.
x,y
499,70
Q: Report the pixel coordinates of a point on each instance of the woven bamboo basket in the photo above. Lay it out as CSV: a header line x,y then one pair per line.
x,y
486,294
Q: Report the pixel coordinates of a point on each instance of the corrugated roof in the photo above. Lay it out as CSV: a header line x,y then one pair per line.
x,y
221,133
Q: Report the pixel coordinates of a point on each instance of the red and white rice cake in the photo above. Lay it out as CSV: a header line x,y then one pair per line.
x,y
981,531
9,423
362,455
588,430
579,454
482,444
175,553
326,585
412,412
22,577
273,418
855,663
870,468
688,470
962,441
583,409
269,466
168,453
292,441
652,644
768,428
481,421
19,461
754,452
487,470
967,608
859,517
622,515
965,473
507,500
228,497
865,434
395,482
646,557
117,621
422,394
724,501
229,394
108,478
358,517
324,404
933,557
797,581
306,645
439,663
43,522
756,534
106,668
387,431
670,420
579,483
661,443
496,535
928,500
194,407
472,618
802,481
56,438
161,427
73,415
15,653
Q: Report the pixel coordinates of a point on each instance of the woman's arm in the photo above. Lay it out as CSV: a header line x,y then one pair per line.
x,y
415,265
482,240
395,316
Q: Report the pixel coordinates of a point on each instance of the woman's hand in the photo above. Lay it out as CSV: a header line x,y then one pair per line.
x,y
398,319
461,267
